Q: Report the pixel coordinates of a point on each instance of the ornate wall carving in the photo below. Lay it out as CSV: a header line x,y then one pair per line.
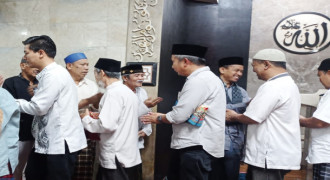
x,y
302,67
143,31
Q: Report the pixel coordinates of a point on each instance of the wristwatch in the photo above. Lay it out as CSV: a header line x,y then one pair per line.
x,y
159,118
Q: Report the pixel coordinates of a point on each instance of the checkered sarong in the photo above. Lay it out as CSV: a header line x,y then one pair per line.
x,y
321,171
8,177
85,163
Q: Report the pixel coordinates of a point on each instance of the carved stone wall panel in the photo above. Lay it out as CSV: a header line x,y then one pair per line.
x,y
144,30
265,16
143,45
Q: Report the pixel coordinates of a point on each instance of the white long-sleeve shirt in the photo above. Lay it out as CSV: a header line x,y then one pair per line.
x,y
117,125
202,87
55,106
143,109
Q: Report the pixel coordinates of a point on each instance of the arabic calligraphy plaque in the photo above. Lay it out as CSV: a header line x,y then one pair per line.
x,y
303,33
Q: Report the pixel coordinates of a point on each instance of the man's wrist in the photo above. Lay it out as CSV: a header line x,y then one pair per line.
x,y
160,119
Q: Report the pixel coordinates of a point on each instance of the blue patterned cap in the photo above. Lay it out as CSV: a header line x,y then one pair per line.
x,y
74,57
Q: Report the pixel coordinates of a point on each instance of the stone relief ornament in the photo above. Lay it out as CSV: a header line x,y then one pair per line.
x,y
303,33
304,74
143,33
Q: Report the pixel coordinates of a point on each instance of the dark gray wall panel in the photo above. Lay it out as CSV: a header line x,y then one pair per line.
x,y
223,27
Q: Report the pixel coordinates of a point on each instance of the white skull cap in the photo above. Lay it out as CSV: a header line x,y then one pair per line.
x,y
270,55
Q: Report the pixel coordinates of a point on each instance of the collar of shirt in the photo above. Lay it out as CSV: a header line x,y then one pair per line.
x,y
225,85
35,81
44,71
83,81
278,76
197,71
114,84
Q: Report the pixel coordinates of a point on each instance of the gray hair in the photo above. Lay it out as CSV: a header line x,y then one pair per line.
x,y
194,59
125,75
115,75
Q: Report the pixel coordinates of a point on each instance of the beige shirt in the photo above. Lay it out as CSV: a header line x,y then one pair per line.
x,y
202,87
86,89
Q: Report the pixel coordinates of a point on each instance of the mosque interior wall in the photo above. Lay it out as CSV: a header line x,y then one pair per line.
x,y
265,16
114,29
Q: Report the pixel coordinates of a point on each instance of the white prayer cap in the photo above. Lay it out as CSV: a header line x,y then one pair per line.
x,y
270,55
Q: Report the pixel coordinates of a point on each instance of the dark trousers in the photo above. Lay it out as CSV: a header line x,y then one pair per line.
x,y
120,173
226,168
51,167
257,173
192,163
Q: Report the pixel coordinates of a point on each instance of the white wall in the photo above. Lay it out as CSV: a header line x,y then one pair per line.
x,y
96,27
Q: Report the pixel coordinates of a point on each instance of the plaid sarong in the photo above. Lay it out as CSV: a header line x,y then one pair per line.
x,y
8,177
85,163
321,171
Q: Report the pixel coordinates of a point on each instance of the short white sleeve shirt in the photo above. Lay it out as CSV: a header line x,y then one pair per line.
x,y
275,140
319,146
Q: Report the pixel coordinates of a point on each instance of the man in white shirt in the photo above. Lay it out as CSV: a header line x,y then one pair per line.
x,y
273,144
319,146
198,119
133,77
77,65
117,124
57,127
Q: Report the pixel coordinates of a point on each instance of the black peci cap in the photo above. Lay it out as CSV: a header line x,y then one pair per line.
x,y
189,49
131,69
230,61
109,65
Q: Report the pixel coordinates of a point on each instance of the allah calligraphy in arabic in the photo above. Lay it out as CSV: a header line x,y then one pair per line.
x,y
303,40
303,33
